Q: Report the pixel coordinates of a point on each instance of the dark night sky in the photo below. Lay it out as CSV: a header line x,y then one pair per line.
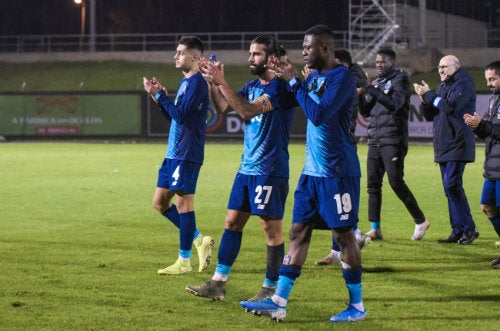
x,y
21,17
161,16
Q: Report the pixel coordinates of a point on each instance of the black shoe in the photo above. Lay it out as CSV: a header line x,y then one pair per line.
x,y
467,239
451,239
496,263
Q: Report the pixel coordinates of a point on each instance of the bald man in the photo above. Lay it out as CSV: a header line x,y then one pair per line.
x,y
454,142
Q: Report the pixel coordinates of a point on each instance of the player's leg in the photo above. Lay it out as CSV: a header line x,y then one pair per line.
x,y
375,175
304,210
275,254
394,159
229,248
343,217
351,271
490,202
275,306
162,199
237,216
267,200
182,179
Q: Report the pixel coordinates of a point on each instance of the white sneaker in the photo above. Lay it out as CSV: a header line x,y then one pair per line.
x,y
363,240
375,234
329,259
420,230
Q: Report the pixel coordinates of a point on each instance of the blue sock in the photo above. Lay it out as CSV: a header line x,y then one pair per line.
x,y
223,269
375,225
352,279
495,221
288,275
172,214
335,246
229,247
187,229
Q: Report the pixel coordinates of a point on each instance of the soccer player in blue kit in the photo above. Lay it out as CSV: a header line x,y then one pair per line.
x,y
185,152
329,187
261,185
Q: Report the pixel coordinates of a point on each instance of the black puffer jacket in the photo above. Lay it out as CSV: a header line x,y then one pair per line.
x,y
387,102
489,130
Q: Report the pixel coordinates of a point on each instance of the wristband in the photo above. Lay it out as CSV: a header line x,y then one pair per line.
x,y
158,94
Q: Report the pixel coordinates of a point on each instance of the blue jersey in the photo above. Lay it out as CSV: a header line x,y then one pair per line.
x,y
266,136
327,102
188,114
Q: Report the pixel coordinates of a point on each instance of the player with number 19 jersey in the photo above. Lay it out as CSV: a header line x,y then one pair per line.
x,y
331,173
329,153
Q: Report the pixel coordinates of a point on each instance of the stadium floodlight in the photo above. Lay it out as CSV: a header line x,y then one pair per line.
x,y
82,26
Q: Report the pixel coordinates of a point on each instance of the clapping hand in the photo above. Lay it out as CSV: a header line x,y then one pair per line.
x,y
212,72
472,121
306,71
421,89
283,69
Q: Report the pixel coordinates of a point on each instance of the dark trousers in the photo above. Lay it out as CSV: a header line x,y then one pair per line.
x,y
458,207
390,159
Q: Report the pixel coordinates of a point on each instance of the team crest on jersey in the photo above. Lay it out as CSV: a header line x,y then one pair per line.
x,y
254,93
387,87
316,88
180,93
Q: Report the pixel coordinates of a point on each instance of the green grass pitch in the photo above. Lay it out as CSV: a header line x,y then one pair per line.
x,y
80,245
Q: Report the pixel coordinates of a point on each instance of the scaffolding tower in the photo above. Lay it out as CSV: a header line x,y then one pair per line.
x,y
372,26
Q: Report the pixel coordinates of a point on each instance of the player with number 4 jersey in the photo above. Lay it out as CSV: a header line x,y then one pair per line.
x,y
179,172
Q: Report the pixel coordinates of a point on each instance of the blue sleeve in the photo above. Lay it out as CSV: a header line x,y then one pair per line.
x,y
187,102
337,89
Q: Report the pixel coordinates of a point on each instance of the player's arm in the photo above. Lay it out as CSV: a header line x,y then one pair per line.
x,y
234,100
217,99
246,109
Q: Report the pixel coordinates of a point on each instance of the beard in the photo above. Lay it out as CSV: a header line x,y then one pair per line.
x,y
258,69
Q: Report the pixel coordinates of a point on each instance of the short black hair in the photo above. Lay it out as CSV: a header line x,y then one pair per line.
x,y
192,42
320,30
343,55
387,52
323,32
272,46
494,66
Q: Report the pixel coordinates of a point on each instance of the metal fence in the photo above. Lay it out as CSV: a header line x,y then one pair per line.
x,y
145,42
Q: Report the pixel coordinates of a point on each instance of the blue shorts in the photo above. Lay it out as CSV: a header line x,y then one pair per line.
x,y
178,175
326,201
259,195
491,193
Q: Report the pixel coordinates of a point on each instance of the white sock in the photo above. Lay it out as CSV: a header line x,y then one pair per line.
x,y
358,306
219,277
